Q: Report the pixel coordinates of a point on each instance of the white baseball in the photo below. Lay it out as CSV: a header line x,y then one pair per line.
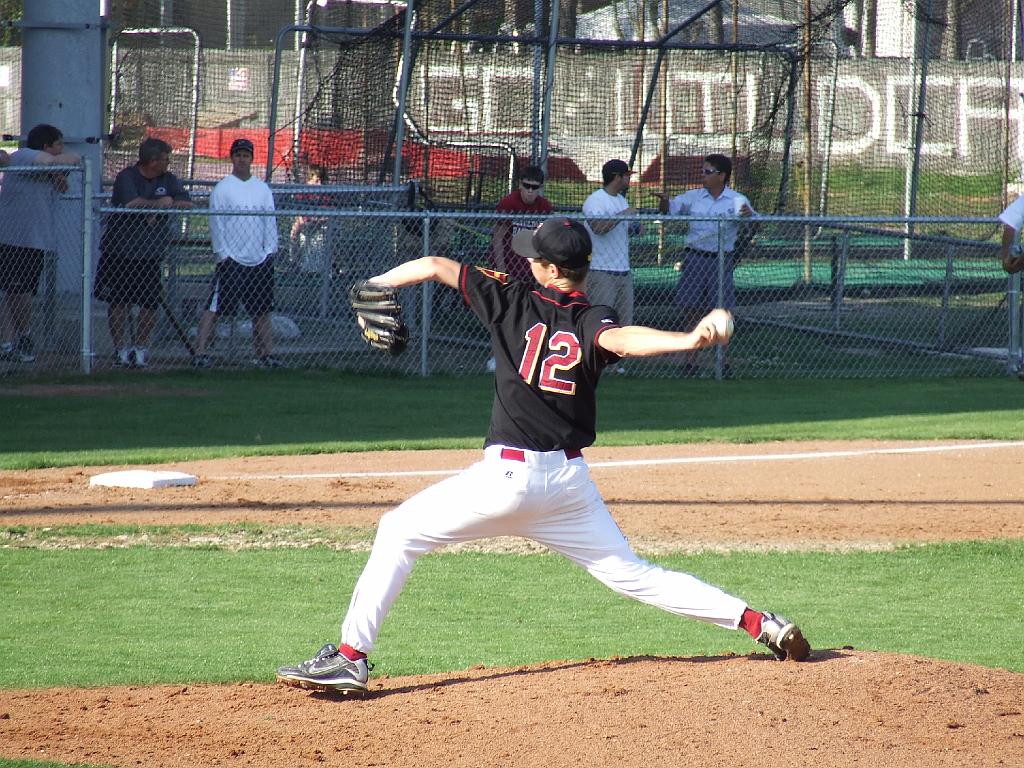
x,y
722,320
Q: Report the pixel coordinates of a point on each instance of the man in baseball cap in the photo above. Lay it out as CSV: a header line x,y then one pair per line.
x,y
562,242
245,247
607,213
242,144
551,345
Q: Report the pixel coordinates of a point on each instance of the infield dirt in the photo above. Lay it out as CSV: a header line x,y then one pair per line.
x,y
845,707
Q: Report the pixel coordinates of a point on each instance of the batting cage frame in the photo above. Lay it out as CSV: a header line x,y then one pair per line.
x,y
924,124
506,77
132,72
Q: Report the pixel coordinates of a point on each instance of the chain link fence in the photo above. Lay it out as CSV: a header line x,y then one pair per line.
x,y
814,297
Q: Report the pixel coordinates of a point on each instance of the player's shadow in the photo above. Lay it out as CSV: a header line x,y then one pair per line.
x,y
817,657
170,508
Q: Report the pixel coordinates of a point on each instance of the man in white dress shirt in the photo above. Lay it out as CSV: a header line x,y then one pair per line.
x,y
698,290
1012,219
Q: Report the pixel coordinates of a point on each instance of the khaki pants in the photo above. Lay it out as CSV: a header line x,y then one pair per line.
x,y
613,290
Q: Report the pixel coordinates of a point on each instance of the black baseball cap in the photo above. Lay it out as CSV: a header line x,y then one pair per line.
x,y
563,242
245,144
614,168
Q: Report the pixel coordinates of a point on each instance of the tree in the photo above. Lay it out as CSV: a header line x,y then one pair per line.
x,y
10,10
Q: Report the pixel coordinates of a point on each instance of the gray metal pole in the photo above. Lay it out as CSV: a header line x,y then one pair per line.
x,y
427,299
538,65
403,89
719,350
301,45
1013,347
231,21
826,163
1020,329
549,86
918,114
62,72
275,87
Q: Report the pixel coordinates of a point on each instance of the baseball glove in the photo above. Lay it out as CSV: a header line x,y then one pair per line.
x,y
379,314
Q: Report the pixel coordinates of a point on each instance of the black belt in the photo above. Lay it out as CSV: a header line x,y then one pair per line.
x,y
616,273
515,454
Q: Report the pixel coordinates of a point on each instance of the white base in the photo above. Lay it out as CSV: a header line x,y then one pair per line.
x,y
142,478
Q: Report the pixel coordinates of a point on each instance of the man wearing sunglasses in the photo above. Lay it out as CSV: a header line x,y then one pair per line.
x,y
525,199
697,291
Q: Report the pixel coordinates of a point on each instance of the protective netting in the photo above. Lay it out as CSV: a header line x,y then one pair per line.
x,y
144,62
891,108
696,102
915,110
474,105
902,107
338,111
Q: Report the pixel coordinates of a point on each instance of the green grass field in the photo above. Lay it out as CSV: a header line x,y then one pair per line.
x,y
164,611
184,416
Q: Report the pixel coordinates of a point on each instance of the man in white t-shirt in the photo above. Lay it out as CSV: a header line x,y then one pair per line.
x,y
606,210
245,246
1012,218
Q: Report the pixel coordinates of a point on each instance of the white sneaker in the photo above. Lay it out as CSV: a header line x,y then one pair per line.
x,y
140,360
122,359
492,365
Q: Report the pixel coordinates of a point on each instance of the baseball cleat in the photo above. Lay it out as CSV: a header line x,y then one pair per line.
x,y
783,638
329,670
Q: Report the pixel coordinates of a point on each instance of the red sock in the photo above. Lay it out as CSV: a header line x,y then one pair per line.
x,y
352,654
751,622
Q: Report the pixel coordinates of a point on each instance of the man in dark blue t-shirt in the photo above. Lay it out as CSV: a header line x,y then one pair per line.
x,y
134,246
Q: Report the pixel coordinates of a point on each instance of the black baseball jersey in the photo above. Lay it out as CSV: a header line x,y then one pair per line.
x,y
544,342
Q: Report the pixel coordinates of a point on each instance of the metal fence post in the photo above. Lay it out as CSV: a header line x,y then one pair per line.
x,y
1020,326
427,299
840,279
1013,347
947,288
719,349
88,215
549,87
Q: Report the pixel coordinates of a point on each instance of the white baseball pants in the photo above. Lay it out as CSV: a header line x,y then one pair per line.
x,y
546,498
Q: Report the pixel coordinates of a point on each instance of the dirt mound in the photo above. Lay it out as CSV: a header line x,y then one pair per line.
x,y
842,708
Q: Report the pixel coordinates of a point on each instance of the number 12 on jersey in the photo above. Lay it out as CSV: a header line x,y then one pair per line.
x,y
564,354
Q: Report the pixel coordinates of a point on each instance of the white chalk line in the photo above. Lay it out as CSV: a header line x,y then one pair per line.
x,y
656,462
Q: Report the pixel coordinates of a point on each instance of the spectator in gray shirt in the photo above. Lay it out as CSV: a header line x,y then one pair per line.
x,y
27,232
